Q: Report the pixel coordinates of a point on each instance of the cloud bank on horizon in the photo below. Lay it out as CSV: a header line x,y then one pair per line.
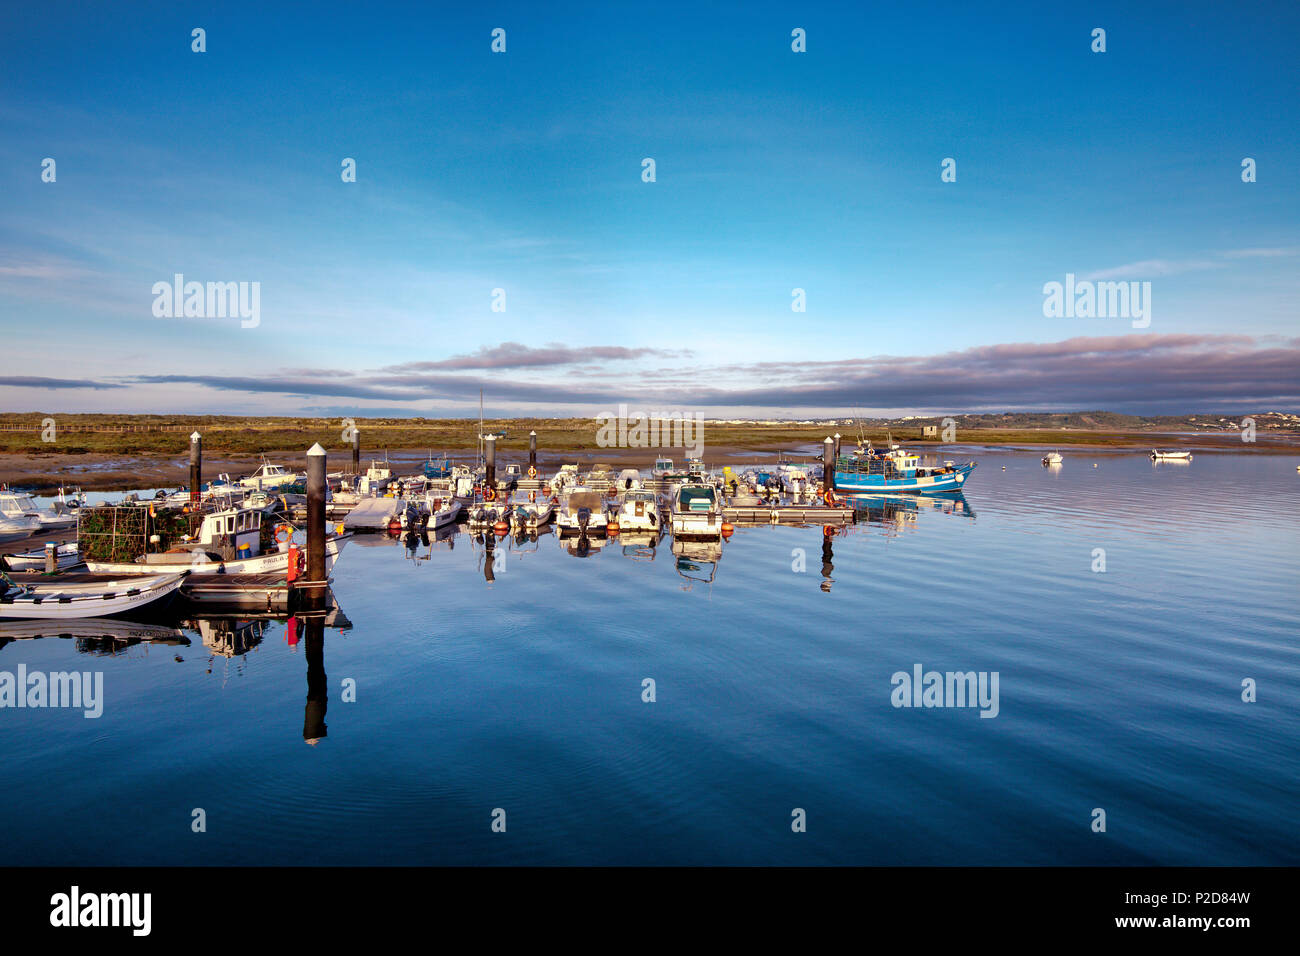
x,y
1174,373
868,223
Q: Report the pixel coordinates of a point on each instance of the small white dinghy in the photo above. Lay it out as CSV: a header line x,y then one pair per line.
x,y
1158,455
66,556
57,600
1052,458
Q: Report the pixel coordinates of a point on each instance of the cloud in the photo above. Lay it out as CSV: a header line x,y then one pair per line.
x,y
34,381
518,355
1139,373
1153,268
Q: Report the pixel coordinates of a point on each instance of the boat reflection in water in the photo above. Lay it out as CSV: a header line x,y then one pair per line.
x,y
697,561
582,545
94,635
899,512
640,545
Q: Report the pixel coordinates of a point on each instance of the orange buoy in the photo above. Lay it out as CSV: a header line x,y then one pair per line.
x,y
532,471
612,528
295,556
727,530
501,527
828,531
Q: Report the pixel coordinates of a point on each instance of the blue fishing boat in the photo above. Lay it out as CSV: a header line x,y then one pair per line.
x,y
896,470
437,469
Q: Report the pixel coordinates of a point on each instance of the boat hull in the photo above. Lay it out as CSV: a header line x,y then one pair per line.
x,y
277,562
854,483
55,602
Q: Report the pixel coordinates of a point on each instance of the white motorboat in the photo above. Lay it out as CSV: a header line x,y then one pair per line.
x,y
638,510
15,505
377,478
1158,455
79,600
17,528
581,511
564,479
269,477
531,515
697,510
1052,458
65,555
628,479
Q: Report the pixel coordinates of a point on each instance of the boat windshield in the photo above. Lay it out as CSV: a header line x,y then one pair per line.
x,y
584,499
696,499
663,464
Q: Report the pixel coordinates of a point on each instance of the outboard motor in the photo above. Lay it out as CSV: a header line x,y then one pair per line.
x,y
584,518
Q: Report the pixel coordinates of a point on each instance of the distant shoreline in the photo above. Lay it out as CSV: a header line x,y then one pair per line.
x,y
127,470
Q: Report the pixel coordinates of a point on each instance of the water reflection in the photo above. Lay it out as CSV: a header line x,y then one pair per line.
x,y
900,512
108,636
697,561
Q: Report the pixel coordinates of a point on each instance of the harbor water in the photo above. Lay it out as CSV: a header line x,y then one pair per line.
x,y
1126,610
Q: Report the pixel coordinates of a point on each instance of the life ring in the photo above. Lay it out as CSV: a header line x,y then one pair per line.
x,y
532,496
490,494
285,530
532,471
830,498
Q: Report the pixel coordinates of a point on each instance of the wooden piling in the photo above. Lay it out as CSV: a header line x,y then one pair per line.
x,y
828,464
490,481
837,446
356,450
196,465
532,450
315,596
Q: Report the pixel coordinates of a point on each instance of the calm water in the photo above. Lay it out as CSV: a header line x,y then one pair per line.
x,y
1119,690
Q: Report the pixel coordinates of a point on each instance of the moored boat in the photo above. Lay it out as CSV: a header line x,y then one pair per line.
x,y
1158,455
696,510
896,470
1052,458
638,510
57,599
582,511
65,556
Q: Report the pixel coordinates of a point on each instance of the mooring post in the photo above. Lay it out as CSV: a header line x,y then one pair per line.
x,y
196,465
316,526
490,480
828,464
837,446
51,557
532,449
356,450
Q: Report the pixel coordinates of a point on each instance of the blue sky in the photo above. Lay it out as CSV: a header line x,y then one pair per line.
x,y
522,171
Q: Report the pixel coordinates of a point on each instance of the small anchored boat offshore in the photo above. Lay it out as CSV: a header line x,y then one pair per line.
x,y
59,599
1052,458
1158,455
896,470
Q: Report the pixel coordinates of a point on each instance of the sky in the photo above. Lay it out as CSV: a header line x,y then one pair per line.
x,y
774,170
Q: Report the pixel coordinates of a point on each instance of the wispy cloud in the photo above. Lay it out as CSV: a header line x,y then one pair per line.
x,y
518,355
